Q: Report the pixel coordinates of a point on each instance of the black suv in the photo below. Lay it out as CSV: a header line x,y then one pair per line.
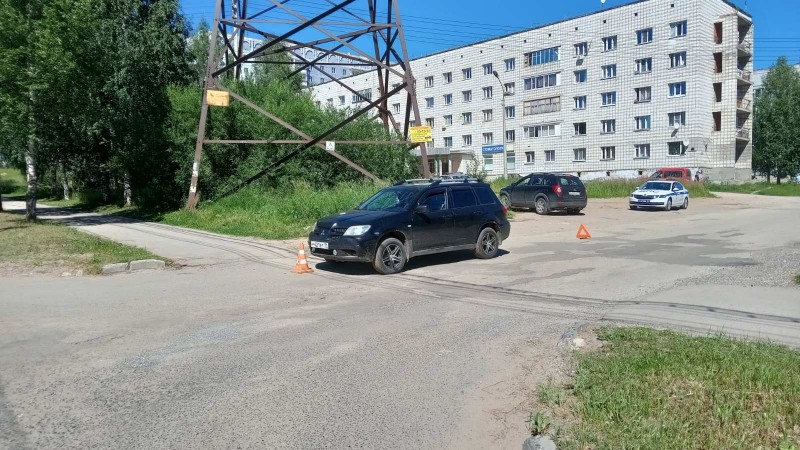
x,y
414,218
546,192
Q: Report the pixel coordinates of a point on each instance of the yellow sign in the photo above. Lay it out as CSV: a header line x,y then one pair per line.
x,y
218,98
421,134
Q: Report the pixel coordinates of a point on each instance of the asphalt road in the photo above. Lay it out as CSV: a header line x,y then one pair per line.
x,y
232,350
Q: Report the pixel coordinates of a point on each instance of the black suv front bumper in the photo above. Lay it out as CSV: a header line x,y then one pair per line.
x,y
344,248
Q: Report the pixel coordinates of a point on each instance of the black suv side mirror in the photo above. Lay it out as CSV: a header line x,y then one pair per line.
x,y
421,209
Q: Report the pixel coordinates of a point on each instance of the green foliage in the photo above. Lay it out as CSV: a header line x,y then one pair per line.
x,y
538,424
776,126
475,169
660,389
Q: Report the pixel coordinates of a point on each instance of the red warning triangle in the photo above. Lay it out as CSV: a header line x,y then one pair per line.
x,y
583,233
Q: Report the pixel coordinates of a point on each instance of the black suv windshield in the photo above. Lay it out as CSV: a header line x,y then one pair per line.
x,y
392,199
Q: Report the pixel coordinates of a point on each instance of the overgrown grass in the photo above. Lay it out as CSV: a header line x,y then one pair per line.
x,y
272,214
57,247
619,188
797,279
650,389
782,190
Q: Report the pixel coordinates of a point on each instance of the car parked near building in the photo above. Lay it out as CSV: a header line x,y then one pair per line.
x,y
675,173
414,218
664,195
546,192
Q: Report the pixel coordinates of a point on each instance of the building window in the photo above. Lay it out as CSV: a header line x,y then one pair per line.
x,y
429,122
511,161
448,77
543,56
488,138
530,157
549,156
330,102
511,64
541,106
644,36
467,95
644,65
344,72
677,29
396,108
643,94
580,128
608,153
609,43
608,98
448,119
582,49
580,76
642,151
466,118
341,99
643,123
677,118
609,71
677,59
718,33
579,154
676,149
541,81
360,96
428,81
466,140
609,126
537,131
448,99
429,102
677,89
511,112
487,69
488,163
580,102
487,92
448,141
717,116
467,73
509,88
487,115
511,136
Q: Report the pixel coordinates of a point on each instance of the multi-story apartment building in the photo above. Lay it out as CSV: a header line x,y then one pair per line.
x,y
617,93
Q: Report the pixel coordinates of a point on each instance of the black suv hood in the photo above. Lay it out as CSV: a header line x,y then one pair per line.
x,y
357,217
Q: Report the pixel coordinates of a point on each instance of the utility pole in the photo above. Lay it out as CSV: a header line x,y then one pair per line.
x,y
503,112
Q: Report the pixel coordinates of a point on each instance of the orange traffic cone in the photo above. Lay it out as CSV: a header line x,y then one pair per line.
x,y
302,262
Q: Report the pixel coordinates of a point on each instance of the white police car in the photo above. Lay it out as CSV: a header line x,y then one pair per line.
x,y
664,195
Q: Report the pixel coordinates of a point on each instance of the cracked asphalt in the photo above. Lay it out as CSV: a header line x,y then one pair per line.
x,y
231,350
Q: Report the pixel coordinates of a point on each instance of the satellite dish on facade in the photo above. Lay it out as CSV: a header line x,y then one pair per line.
x,y
686,143
602,2
676,126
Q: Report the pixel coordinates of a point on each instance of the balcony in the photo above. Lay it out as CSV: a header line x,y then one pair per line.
x,y
744,76
743,134
745,48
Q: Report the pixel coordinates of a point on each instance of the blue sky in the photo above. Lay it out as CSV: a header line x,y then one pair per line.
x,y
434,25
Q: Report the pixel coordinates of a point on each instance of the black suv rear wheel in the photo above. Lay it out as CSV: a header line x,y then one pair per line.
x,y
390,257
488,244
542,206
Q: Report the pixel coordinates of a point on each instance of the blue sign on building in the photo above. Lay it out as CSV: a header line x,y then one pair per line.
x,y
491,149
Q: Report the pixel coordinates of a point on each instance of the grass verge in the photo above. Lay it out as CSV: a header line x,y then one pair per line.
x,y
56,247
12,182
271,214
779,190
651,389
797,279
622,188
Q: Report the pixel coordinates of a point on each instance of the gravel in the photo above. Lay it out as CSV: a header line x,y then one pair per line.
x,y
776,267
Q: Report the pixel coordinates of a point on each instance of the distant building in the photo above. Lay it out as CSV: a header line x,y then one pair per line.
x,y
758,78
617,93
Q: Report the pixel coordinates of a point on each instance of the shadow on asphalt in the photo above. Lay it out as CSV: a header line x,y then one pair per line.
x,y
362,269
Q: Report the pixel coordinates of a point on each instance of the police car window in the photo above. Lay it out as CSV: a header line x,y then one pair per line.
x,y
463,198
485,196
679,186
657,185
436,202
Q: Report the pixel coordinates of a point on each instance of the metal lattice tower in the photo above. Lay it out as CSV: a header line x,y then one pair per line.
x,y
372,38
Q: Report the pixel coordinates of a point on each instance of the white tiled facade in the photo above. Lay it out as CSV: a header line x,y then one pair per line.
x,y
611,46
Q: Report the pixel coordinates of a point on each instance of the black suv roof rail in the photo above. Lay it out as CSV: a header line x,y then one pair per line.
x,y
436,181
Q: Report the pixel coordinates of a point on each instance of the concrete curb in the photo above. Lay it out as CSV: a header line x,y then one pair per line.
x,y
141,264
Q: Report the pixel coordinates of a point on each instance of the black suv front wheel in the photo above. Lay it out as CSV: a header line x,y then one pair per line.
x,y
390,257
488,244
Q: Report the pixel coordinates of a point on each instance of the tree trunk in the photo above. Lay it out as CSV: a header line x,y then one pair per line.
x,y
126,189
30,169
64,181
